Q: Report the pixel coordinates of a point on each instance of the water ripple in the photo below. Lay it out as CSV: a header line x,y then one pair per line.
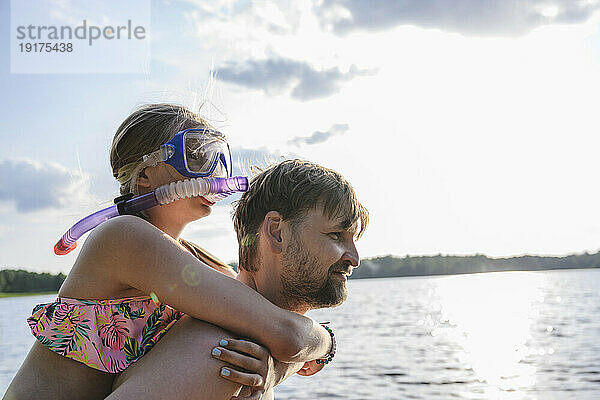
x,y
506,336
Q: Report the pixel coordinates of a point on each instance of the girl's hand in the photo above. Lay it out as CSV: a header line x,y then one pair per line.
x,y
310,368
252,364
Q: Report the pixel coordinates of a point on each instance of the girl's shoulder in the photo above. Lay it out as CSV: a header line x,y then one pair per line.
x,y
120,234
107,250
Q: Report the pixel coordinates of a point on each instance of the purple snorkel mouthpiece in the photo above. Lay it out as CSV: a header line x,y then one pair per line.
x,y
125,205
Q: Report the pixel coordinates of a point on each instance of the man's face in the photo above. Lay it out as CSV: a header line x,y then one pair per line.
x,y
317,260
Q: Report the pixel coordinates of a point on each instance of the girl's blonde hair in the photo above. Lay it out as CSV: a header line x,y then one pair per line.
x,y
143,132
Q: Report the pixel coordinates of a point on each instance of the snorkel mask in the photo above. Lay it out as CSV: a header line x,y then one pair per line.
x,y
194,153
202,155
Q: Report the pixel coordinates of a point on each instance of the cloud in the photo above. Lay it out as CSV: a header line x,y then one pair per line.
x,y
243,24
33,186
245,161
471,17
250,162
320,137
276,75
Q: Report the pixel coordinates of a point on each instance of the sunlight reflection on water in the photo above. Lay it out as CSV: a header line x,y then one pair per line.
x,y
489,316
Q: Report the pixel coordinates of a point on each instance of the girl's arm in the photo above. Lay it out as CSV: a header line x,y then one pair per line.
x,y
139,255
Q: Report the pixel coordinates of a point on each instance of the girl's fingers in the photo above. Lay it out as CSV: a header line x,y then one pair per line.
x,y
244,378
245,346
237,359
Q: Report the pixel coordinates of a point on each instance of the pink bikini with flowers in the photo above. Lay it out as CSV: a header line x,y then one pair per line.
x,y
107,335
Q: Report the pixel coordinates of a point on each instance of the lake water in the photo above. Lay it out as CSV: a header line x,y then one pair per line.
x,y
506,335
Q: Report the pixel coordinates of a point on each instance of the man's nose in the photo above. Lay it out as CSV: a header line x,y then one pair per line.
x,y
351,255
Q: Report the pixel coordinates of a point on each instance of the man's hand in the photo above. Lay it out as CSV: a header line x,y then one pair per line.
x,y
252,366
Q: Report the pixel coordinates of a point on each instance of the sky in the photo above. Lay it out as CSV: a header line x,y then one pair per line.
x,y
465,126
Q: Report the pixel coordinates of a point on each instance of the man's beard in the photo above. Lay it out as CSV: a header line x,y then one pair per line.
x,y
301,282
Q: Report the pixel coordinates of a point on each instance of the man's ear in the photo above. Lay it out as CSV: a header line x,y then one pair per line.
x,y
272,225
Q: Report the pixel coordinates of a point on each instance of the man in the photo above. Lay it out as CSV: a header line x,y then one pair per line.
x,y
296,227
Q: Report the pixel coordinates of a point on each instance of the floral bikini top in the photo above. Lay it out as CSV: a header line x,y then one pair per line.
x,y
107,335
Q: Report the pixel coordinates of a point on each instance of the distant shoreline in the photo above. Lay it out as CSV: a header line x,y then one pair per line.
x,y
392,266
24,283
472,273
23,294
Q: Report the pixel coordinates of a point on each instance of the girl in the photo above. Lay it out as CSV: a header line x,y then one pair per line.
x,y
112,308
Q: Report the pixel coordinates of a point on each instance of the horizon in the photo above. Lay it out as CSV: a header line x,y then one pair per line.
x,y
230,262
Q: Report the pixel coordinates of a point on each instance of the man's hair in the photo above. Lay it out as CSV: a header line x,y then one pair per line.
x,y
292,188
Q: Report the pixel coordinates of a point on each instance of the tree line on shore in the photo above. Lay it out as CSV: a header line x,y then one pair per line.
x,y
14,281
391,266
19,281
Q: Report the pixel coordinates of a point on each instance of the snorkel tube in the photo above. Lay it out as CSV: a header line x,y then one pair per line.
x,y
129,205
